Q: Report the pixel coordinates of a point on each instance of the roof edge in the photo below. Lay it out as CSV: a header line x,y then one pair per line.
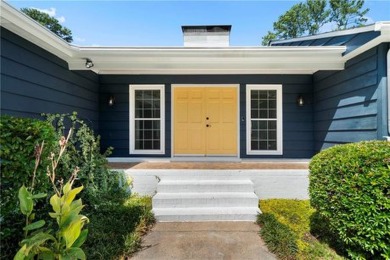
x,y
377,26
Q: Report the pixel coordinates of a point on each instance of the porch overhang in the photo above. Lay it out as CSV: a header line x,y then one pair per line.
x,y
176,60
203,60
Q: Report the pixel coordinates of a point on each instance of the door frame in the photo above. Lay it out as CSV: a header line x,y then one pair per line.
x,y
173,86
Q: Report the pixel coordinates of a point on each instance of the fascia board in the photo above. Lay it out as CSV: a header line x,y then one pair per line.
x,y
373,27
32,31
196,60
384,28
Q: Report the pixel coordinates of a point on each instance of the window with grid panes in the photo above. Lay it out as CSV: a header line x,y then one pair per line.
x,y
147,119
264,124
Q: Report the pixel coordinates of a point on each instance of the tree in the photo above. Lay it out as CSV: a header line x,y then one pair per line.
x,y
307,18
49,22
348,13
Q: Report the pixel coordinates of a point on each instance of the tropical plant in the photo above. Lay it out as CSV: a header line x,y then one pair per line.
x,y
66,242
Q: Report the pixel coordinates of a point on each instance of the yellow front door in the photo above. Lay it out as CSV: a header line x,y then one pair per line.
x,y
205,121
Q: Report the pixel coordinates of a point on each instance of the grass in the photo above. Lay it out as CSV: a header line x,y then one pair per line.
x,y
285,228
115,230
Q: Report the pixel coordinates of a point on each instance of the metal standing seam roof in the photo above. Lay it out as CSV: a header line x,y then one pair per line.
x,y
350,41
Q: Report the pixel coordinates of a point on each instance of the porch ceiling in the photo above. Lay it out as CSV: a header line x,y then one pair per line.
x,y
176,60
228,60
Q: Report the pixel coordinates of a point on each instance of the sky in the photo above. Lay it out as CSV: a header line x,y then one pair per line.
x,y
158,23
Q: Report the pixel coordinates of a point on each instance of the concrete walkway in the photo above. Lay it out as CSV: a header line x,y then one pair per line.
x,y
204,240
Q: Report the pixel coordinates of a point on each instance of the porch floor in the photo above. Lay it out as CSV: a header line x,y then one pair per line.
x,y
212,165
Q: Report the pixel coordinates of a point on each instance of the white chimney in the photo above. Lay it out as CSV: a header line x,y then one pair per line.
x,y
206,35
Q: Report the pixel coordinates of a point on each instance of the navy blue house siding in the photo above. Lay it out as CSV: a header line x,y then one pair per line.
x,y
348,104
34,81
297,121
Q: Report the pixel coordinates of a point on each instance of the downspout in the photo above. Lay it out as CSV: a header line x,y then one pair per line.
x,y
388,95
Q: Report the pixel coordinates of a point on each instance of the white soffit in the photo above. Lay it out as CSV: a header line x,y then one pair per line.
x,y
184,60
176,60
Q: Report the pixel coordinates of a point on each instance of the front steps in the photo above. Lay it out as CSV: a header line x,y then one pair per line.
x,y
205,199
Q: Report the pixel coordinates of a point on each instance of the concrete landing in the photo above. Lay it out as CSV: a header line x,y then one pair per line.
x,y
204,240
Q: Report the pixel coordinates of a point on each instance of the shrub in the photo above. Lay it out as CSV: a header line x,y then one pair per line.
x,y
18,140
84,152
115,229
350,188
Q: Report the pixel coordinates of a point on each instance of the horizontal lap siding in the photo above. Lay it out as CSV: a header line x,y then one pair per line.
x,y
346,102
34,81
297,121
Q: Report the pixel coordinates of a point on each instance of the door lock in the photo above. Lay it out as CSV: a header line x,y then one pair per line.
x,y
208,125
207,118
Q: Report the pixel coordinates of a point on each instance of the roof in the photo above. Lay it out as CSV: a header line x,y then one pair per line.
x,y
184,60
352,39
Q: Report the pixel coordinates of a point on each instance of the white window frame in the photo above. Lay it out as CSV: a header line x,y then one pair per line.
x,y
132,89
279,120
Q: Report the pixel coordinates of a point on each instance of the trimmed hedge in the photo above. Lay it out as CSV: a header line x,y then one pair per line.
x,y
350,189
18,138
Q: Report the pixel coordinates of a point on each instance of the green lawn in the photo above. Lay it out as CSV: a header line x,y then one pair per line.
x,y
285,227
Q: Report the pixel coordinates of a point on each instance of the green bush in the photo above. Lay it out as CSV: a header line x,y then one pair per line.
x,y
350,189
100,183
115,229
18,139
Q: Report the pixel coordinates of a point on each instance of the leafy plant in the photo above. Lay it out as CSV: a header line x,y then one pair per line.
x,y
278,237
116,228
19,138
84,151
350,189
66,242
286,228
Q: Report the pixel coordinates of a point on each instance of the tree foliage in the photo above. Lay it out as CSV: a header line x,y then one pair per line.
x,y
348,13
308,17
49,22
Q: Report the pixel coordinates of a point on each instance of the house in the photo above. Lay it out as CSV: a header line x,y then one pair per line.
x,y
205,99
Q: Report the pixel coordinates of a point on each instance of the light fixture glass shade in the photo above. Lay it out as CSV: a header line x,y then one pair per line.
x,y
300,100
111,101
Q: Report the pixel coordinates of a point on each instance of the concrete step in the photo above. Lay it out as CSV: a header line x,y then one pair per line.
x,y
184,186
205,199
206,214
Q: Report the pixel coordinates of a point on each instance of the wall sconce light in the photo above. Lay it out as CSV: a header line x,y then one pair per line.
x,y
111,101
88,63
300,100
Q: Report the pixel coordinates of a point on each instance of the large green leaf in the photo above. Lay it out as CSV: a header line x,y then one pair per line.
x,y
35,225
76,253
72,232
20,255
39,195
25,200
71,194
55,202
81,239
